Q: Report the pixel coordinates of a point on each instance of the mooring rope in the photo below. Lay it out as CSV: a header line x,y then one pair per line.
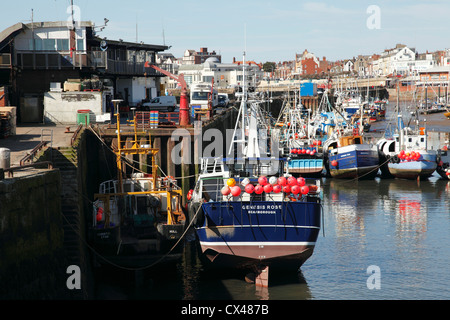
x,y
127,268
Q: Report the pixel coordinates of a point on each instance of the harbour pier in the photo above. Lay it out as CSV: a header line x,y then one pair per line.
x,y
77,158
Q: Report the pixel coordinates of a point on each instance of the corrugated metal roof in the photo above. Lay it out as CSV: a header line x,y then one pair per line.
x,y
436,69
6,34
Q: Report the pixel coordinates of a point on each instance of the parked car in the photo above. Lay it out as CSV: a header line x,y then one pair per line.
x,y
223,100
165,103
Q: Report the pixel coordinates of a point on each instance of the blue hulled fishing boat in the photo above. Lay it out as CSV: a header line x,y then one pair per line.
x,y
248,212
348,155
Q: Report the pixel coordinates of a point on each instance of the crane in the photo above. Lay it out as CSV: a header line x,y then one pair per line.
x,y
184,105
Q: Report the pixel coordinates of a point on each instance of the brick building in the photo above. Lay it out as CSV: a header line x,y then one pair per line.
x,y
307,64
194,57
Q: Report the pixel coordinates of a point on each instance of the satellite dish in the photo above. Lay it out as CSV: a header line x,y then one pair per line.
x,y
103,45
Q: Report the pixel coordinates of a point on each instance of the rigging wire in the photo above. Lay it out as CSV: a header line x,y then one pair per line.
x,y
128,268
126,160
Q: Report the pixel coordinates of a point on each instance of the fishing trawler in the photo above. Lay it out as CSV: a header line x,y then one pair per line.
x,y
443,162
407,153
248,212
300,142
348,155
137,220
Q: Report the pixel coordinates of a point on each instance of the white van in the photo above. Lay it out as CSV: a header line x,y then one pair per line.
x,y
168,103
200,94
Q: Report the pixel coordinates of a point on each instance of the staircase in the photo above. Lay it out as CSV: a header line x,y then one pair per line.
x,y
66,160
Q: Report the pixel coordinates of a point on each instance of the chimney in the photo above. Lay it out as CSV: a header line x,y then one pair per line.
x,y
203,50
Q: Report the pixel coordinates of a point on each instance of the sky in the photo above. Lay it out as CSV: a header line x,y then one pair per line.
x,y
265,30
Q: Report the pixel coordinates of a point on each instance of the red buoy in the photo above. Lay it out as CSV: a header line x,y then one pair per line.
x,y
305,190
277,188
99,214
282,181
262,180
301,181
291,181
259,189
295,190
236,191
268,188
249,188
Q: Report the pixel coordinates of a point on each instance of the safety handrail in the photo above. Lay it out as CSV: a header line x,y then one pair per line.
x,y
11,171
29,157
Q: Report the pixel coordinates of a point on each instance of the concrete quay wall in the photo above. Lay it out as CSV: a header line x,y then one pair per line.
x,y
33,263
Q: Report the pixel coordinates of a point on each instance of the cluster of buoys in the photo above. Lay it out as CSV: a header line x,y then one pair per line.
x,y
304,151
409,156
231,188
272,185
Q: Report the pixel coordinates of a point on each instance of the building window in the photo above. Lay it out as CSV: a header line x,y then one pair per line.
x,y
208,79
188,79
48,44
62,44
80,45
36,44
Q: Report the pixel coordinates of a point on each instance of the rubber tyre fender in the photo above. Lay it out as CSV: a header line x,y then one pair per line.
x,y
197,221
395,159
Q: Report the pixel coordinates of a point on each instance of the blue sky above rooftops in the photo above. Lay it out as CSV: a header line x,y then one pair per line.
x,y
266,30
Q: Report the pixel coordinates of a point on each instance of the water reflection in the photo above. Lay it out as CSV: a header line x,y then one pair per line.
x,y
399,225
410,201
203,283
407,201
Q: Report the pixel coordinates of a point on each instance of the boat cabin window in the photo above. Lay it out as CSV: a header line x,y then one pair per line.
x,y
347,141
332,146
141,205
211,188
392,147
127,187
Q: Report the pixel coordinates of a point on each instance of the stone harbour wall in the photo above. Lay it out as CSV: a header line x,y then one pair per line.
x,y
32,257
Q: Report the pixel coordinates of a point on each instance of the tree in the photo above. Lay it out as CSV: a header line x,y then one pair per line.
x,y
269,67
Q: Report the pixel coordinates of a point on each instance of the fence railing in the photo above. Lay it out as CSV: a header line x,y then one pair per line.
x,y
76,59
61,59
151,120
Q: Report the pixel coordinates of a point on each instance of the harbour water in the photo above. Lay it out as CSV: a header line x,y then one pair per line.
x,y
391,229
399,226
